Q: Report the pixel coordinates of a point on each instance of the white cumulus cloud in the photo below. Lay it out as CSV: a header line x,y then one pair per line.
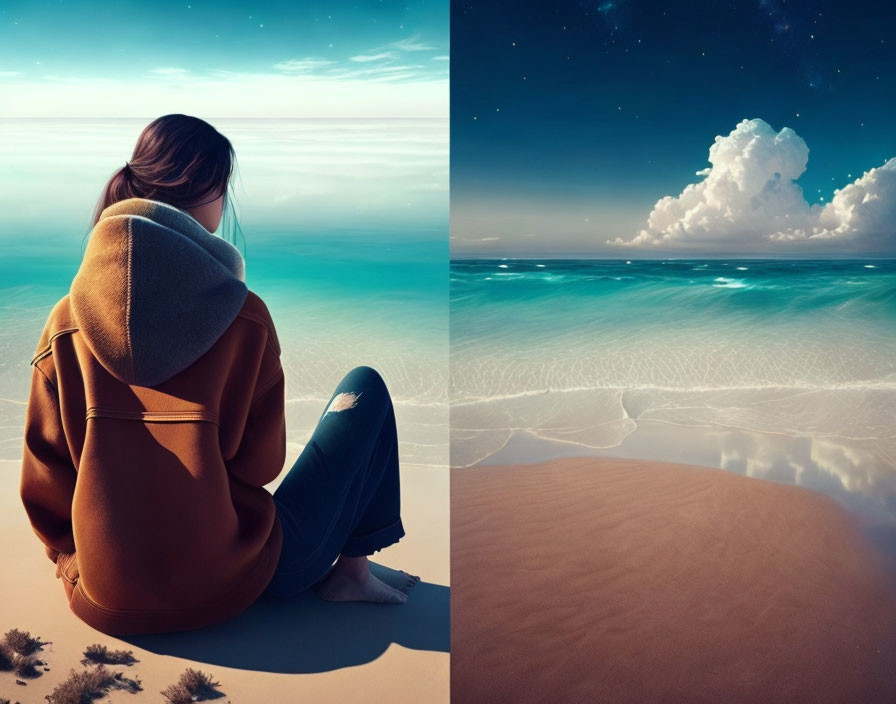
x,y
749,201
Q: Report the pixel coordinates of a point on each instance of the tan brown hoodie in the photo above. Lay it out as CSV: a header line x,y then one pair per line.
x,y
155,419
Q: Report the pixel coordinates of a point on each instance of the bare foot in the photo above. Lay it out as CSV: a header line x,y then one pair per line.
x,y
350,579
399,579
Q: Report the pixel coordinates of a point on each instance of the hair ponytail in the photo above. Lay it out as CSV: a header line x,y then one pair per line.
x,y
182,161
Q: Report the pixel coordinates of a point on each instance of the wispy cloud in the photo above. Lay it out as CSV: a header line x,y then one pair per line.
x,y
412,44
392,77
364,58
387,62
378,71
305,65
9,73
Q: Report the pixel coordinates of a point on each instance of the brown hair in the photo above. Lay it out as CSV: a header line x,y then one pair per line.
x,y
180,160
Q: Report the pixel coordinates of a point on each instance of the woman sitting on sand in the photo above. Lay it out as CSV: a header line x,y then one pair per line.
x,y
156,418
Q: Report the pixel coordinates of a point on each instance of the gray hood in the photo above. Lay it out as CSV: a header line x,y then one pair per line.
x,y
155,290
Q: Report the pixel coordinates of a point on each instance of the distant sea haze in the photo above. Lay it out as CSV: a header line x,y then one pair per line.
x,y
783,369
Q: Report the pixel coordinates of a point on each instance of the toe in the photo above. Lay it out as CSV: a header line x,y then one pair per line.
x,y
396,597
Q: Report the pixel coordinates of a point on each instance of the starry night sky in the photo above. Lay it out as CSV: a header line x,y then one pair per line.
x,y
580,115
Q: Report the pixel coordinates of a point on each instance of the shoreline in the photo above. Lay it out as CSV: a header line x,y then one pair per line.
x,y
857,476
630,580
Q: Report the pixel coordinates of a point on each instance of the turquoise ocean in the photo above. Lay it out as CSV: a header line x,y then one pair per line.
x,y
782,370
345,237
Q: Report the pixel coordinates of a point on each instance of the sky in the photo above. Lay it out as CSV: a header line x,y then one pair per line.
x,y
579,127
76,58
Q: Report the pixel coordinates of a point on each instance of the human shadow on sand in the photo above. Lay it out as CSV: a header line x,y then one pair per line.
x,y
306,634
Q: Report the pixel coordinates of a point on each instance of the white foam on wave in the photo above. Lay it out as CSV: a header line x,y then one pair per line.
x,y
870,266
723,282
502,266
540,265
743,268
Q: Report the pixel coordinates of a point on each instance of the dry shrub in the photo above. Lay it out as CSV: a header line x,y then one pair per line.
x,y
193,686
7,658
22,642
87,685
26,666
17,652
101,655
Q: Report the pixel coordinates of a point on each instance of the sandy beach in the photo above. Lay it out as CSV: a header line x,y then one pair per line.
x,y
304,650
584,579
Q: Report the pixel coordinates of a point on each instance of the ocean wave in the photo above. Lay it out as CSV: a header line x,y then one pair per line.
x,y
774,291
723,282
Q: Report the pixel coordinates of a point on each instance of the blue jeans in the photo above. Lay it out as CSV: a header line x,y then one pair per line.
x,y
342,493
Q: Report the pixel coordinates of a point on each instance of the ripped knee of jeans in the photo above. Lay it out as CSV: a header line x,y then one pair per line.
x,y
342,402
